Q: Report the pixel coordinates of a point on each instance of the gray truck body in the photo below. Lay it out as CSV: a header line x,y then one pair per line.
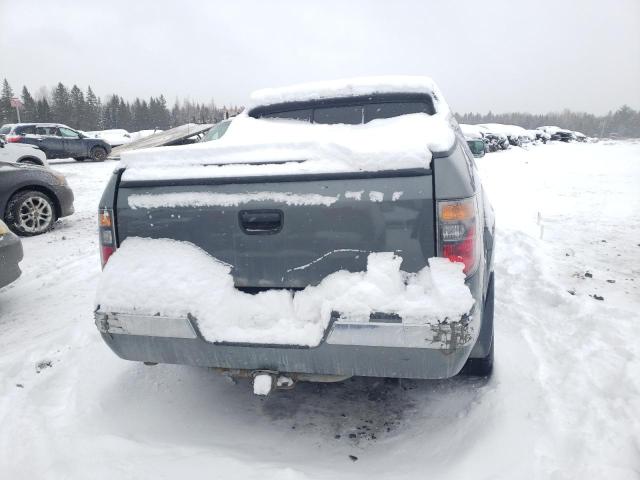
x,y
298,246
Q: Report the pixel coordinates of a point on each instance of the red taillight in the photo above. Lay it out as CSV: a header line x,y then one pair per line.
x,y
13,138
107,235
105,253
457,232
462,251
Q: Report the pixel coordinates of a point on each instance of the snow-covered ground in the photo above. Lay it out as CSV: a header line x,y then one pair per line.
x,y
564,401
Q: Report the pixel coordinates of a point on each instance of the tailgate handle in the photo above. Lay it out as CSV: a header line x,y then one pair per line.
x,y
260,222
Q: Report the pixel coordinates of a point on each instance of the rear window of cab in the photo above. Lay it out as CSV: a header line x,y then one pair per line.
x,y
351,111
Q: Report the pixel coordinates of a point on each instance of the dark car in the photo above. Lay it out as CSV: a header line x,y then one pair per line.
x,y
56,140
32,198
10,255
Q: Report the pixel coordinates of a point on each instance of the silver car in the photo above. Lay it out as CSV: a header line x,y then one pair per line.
x,y
22,153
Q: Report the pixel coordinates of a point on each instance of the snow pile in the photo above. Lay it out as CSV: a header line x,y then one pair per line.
x,y
143,133
114,137
175,278
509,130
284,147
350,87
472,132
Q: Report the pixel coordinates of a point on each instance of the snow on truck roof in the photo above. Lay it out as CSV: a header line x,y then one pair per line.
x,y
350,87
268,146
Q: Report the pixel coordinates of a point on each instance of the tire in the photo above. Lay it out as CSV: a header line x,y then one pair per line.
x,y
98,154
479,367
483,367
31,161
30,213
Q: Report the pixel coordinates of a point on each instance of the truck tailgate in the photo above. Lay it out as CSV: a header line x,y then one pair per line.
x,y
288,234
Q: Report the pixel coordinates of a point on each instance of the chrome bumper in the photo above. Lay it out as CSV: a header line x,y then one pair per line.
x,y
380,331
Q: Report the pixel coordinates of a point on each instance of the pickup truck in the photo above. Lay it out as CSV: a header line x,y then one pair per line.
x,y
306,190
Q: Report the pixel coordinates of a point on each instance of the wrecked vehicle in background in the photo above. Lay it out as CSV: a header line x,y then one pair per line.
x,y
337,229
475,139
557,133
182,135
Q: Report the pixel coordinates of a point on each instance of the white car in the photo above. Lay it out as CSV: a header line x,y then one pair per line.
x,y
22,153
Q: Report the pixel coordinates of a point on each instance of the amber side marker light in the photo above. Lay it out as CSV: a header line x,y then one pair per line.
x,y
104,218
455,211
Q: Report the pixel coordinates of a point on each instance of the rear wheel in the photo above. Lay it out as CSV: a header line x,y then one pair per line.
x,y
479,367
98,154
483,366
30,213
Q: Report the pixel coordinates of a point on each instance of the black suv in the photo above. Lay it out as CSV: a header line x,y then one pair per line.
x,y
56,140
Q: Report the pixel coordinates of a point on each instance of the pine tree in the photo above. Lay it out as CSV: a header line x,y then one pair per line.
x,y
92,111
164,117
61,104
78,118
7,112
29,112
111,118
43,111
176,114
124,114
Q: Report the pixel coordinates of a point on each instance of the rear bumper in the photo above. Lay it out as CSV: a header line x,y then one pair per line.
x,y
10,257
376,349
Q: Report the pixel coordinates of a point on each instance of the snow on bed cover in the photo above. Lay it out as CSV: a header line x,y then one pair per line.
x,y
174,278
253,147
349,87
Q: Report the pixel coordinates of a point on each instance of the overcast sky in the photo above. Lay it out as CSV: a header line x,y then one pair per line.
x,y
536,56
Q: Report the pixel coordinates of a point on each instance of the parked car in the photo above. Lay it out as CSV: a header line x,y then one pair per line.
x,y
22,153
10,255
182,135
580,137
56,140
277,230
475,139
557,133
32,198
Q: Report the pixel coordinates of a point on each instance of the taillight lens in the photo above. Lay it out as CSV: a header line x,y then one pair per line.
x,y
13,138
458,232
107,235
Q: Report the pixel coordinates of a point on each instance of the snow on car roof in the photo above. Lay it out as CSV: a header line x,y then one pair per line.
x,y
257,147
471,132
350,87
